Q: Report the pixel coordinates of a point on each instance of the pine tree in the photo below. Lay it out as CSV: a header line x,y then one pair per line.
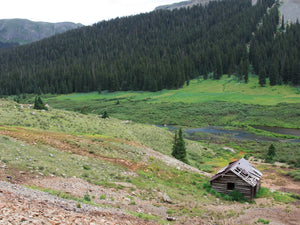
x,y
246,70
271,153
274,73
262,76
282,23
39,104
179,149
105,115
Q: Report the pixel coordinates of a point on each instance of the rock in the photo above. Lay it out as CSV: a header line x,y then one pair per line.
x,y
23,220
169,218
166,198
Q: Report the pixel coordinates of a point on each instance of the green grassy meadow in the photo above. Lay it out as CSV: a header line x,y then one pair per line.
x,y
198,91
71,139
225,102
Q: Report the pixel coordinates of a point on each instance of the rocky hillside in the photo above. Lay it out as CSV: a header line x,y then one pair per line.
x,y
59,167
24,31
183,4
289,8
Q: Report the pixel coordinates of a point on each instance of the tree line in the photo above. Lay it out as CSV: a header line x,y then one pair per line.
x,y
151,51
275,51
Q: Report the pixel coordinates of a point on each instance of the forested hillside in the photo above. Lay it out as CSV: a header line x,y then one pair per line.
x,y
152,51
275,53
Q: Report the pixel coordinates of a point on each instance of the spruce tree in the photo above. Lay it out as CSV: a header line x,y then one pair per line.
x,y
179,149
39,104
271,153
105,115
262,76
246,70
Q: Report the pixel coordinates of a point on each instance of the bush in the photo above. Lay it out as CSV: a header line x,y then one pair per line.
x,y
237,196
260,220
102,197
263,192
87,197
105,115
39,104
294,174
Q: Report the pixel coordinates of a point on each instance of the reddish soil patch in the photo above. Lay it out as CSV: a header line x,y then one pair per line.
x,y
62,142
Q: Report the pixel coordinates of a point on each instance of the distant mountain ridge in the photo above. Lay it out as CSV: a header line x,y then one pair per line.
x,y
182,4
24,31
289,8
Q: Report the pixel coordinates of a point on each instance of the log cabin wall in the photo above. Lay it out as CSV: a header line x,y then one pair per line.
x,y
229,182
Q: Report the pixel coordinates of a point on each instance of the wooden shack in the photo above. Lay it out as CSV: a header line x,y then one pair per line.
x,y
239,175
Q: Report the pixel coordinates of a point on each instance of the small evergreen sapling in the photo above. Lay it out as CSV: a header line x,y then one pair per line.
x,y
271,153
179,149
39,104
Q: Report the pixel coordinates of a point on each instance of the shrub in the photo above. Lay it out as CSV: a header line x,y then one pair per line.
x,y
87,197
103,197
263,192
237,196
86,167
105,115
260,220
39,104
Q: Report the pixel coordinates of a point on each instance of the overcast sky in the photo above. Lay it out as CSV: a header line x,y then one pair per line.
x,y
86,12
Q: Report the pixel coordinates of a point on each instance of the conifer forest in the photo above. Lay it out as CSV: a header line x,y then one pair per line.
x,y
159,50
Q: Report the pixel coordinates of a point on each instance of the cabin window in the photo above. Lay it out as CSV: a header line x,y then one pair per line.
x,y
230,186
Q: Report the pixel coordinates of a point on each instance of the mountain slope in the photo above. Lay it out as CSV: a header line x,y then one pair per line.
x,y
182,4
150,51
188,3
289,8
25,31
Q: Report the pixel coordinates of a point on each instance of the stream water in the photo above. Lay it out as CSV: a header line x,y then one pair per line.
x,y
238,134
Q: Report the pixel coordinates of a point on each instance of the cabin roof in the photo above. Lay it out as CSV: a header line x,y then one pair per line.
x,y
243,169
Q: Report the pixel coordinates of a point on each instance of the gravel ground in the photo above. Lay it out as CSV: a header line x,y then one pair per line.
x,y
20,205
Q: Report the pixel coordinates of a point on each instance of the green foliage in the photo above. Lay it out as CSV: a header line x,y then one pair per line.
x,y
102,197
260,220
271,153
87,197
179,149
86,167
144,216
105,115
39,104
295,174
237,196
263,193
232,196
276,195
201,40
84,110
